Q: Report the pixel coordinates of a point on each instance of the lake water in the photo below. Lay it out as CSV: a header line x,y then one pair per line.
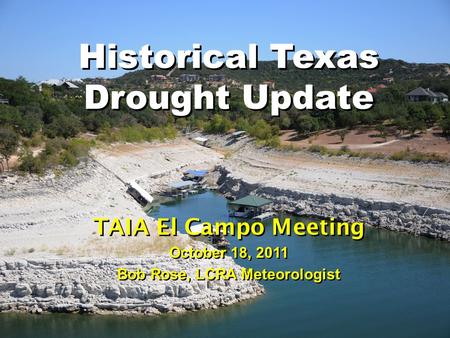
x,y
393,285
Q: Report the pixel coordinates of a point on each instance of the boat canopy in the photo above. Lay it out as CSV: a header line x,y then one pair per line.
x,y
252,201
182,184
196,173
141,191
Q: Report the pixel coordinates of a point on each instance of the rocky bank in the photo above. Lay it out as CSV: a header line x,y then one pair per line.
x,y
396,216
90,285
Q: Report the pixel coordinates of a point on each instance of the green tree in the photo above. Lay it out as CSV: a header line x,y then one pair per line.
x,y
64,125
433,113
381,129
416,118
415,124
342,133
348,118
402,123
9,142
306,124
445,125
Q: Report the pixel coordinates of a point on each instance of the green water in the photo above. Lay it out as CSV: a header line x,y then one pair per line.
x,y
394,285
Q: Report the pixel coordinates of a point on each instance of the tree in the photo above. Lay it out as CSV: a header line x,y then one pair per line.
x,y
381,129
433,113
415,124
367,117
348,118
306,124
63,125
31,121
9,142
342,133
285,122
445,125
416,118
402,123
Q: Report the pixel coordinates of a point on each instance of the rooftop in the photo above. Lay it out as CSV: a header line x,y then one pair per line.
x,y
421,92
196,173
252,201
181,184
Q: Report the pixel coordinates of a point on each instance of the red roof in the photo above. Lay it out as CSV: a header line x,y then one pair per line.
x,y
376,88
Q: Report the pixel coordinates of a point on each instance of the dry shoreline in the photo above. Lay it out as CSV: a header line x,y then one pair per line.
x,y
398,196
47,230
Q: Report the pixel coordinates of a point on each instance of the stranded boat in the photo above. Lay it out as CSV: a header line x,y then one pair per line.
x,y
138,193
217,240
264,216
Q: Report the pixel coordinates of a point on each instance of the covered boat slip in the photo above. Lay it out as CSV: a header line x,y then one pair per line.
x,y
191,183
183,188
250,206
194,175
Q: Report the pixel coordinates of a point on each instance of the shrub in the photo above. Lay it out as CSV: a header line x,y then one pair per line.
x,y
31,164
315,148
415,156
218,125
68,159
79,147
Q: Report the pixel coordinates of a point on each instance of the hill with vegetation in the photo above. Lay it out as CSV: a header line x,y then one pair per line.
x,y
43,123
409,75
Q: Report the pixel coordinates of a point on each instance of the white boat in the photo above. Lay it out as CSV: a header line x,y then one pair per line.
x,y
264,216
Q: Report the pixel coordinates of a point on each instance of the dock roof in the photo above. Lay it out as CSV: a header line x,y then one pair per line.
x,y
181,184
252,201
196,173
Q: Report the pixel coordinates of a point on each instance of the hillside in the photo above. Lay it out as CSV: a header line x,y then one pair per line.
x,y
43,117
389,71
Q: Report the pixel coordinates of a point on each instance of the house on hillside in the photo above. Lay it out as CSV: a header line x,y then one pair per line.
x,y
270,84
54,83
442,97
189,77
69,85
421,94
216,78
158,77
3,100
375,89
